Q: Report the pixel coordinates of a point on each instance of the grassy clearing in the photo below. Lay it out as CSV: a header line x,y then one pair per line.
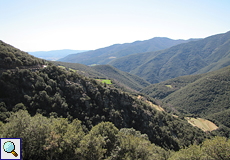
x,y
107,81
92,65
169,86
201,123
62,67
70,69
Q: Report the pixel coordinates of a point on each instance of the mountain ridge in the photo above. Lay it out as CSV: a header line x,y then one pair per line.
x,y
106,54
183,59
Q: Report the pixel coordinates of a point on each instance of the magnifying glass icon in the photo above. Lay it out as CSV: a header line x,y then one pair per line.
x,y
9,147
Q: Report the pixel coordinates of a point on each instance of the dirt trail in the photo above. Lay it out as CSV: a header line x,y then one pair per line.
x,y
150,103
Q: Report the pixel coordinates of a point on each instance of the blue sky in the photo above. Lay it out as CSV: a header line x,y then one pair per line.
x,y
44,25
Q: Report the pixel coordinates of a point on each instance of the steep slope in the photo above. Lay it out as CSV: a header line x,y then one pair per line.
x,y
207,95
119,78
11,57
105,55
200,56
54,91
204,95
80,69
165,88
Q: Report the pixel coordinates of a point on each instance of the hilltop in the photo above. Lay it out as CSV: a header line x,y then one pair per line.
x,y
107,54
11,57
201,56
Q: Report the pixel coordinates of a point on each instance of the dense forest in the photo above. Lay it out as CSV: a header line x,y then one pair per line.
x,y
203,95
55,91
58,138
61,114
11,57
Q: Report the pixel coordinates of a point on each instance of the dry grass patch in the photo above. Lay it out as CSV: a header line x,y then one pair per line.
x,y
201,123
159,108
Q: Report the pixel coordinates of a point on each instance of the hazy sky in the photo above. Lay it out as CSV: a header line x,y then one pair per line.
x,y
41,25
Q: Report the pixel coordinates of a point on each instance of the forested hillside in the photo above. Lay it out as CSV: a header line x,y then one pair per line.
x,y
11,57
39,97
209,54
120,79
107,54
61,114
204,95
124,78
54,91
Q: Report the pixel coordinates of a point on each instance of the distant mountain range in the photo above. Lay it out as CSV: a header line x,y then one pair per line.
x,y
54,55
107,54
201,56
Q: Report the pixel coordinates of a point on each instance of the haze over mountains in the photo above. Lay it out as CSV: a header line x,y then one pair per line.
x,y
54,54
107,54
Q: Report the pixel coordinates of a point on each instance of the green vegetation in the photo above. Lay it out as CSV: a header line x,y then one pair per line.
x,y
222,117
205,55
70,69
80,69
54,91
204,95
61,114
119,79
169,86
122,78
11,57
57,138
200,97
161,90
62,67
107,81
216,148
105,55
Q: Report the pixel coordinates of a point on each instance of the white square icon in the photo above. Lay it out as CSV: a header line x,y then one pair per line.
x,y
10,148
